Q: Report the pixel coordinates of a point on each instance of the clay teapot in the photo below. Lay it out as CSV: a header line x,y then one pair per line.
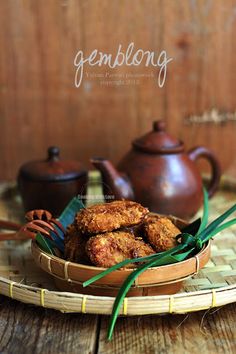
x,y
158,173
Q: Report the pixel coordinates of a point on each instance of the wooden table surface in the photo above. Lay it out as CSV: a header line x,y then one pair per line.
x,y
29,329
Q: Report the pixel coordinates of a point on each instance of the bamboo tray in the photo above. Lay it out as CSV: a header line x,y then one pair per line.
x,y
168,279
214,285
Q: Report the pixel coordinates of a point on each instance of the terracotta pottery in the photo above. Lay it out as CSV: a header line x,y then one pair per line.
x,y
69,276
158,173
50,184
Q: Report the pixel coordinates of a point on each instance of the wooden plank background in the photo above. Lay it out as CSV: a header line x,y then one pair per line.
x,y
40,106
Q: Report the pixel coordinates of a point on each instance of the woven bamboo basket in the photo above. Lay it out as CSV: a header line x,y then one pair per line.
x,y
214,285
154,281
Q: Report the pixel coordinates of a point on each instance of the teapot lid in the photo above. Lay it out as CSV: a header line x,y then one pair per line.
x,y
52,169
158,141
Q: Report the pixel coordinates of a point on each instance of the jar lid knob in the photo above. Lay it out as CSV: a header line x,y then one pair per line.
x,y
53,153
159,125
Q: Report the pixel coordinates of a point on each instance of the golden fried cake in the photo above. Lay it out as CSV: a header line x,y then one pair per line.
x,y
75,246
160,233
109,216
110,248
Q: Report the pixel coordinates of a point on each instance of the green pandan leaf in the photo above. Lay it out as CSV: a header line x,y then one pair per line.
x,y
116,267
128,261
131,278
173,258
205,212
203,236
44,244
186,239
220,228
68,215
192,228
122,293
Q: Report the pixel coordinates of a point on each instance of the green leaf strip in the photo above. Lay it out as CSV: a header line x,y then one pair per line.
x,y
68,215
220,228
192,228
116,267
129,281
44,244
207,231
205,212
125,262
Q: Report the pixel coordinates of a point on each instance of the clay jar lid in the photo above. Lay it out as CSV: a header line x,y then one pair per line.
x,y
158,141
52,169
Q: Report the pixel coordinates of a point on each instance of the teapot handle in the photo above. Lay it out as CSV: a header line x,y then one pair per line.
x,y
201,151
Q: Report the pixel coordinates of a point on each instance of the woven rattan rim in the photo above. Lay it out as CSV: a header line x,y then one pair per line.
x,y
161,304
135,285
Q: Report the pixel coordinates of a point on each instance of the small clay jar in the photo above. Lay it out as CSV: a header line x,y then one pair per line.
x,y
50,184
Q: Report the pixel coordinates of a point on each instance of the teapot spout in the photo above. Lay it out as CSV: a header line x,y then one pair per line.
x,y
115,184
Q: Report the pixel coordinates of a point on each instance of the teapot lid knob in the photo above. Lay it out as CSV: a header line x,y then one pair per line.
x,y
53,153
159,126
158,141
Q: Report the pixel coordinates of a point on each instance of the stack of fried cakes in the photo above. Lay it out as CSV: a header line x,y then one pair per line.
x,y
106,234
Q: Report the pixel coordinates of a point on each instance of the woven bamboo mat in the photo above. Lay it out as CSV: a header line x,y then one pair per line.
x,y
21,279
